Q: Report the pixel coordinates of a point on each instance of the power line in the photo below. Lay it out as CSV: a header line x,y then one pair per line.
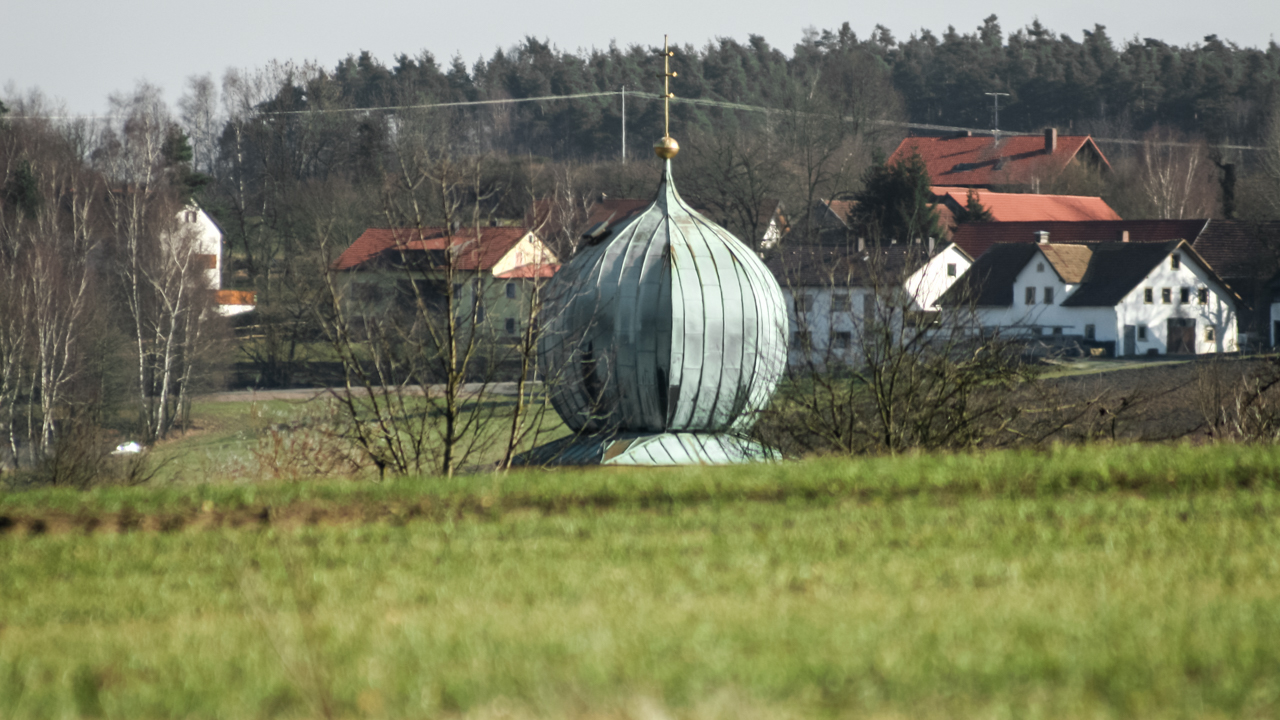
x,y
636,93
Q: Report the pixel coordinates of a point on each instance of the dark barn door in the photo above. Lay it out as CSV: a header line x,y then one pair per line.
x,y
1182,336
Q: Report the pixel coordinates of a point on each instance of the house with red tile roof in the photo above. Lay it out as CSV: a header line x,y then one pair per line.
x,y
494,271
1023,207
1003,161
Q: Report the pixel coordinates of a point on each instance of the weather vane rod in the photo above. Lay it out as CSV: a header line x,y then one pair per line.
x,y
667,147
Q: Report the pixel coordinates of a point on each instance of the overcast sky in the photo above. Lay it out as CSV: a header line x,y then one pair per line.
x,y
80,52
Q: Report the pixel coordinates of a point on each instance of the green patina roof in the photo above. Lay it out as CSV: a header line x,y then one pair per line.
x,y
669,324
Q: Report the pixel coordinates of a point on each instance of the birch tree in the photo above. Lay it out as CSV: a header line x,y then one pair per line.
x,y
156,258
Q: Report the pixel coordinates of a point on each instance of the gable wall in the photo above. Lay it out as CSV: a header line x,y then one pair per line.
x,y
928,283
1218,313
529,250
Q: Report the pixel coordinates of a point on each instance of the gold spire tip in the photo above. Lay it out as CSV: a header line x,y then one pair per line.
x,y
666,147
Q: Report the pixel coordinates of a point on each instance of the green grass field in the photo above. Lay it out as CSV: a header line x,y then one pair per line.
x,y
1098,582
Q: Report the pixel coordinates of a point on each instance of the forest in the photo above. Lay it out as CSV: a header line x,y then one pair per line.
x,y
102,317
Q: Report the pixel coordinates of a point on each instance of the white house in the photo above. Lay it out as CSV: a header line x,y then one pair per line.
x,y
1136,298
832,289
196,224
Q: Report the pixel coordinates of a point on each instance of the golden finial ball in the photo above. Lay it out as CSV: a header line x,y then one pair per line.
x,y
666,148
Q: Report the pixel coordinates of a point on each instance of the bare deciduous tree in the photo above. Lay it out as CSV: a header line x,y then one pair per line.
x,y
157,258
1177,176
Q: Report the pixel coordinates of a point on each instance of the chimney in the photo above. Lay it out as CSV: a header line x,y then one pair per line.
x,y
1042,237
1050,140
1124,236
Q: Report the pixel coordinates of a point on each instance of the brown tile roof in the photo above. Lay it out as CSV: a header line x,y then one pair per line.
x,y
985,161
1240,249
1023,207
1069,261
614,211
1104,272
1115,269
975,238
474,248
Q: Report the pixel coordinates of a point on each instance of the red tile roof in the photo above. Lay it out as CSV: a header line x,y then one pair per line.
x,y
989,161
1022,207
472,253
975,238
235,297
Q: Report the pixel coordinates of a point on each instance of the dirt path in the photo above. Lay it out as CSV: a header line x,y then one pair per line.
x,y
302,395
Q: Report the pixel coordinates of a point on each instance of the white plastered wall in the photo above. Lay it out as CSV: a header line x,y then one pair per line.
x,y
936,276
823,321
1218,313
528,251
1109,322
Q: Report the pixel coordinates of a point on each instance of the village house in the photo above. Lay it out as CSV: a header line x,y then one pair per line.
x,y
1021,163
495,272
831,290
1243,253
1128,298
207,237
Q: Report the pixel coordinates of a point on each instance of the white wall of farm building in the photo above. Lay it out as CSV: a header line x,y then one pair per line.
x,y
935,277
825,313
1218,313
1043,318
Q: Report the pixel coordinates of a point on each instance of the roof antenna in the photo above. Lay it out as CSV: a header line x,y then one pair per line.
x,y
995,98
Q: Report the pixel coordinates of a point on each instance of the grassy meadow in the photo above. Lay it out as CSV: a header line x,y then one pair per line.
x,y
1126,581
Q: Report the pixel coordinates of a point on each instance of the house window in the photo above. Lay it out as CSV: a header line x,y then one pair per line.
x,y
840,303
1202,296
1039,267
1142,332
1057,331
1208,334
1166,295
191,216
802,303
841,340
511,326
1039,331
511,290
1184,295
801,340
1090,332
1031,296
951,269
457,291
207,262
1148,295
1175,262
1048,296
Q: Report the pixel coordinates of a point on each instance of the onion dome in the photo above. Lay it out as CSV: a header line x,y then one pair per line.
x,y
666,329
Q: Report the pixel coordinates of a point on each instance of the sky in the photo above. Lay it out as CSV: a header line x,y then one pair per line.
x,y
78,52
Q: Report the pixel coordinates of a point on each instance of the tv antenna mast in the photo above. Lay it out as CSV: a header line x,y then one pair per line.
x,y
995,97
